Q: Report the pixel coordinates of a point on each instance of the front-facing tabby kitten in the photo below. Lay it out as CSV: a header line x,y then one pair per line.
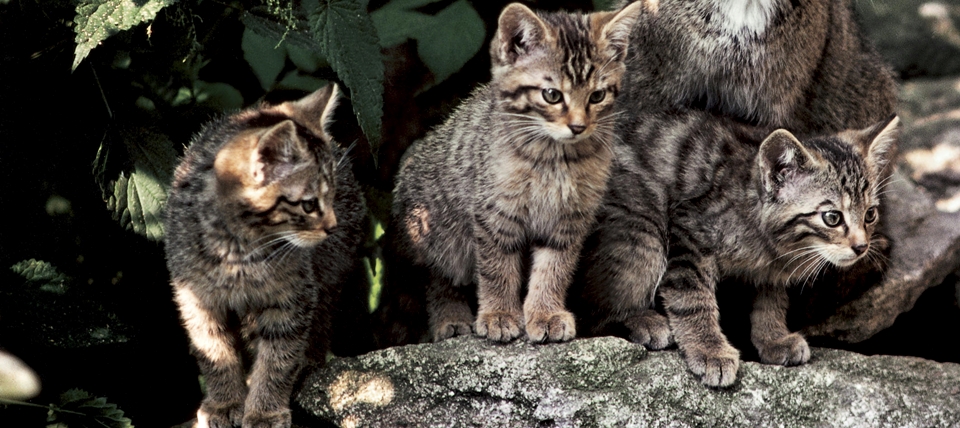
x,y
716,199
516,172
262,229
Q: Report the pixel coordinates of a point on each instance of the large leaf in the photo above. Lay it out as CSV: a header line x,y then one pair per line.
x,y
79,409
138,195
98,19
349,42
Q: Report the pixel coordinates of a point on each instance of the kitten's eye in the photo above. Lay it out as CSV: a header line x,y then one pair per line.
x,y
871,215
597,96
309,205
832,218
552,96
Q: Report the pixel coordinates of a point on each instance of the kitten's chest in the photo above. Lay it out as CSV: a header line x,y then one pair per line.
x,y
547,188
248,286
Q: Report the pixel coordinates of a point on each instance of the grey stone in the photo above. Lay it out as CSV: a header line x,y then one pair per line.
x,y
611,382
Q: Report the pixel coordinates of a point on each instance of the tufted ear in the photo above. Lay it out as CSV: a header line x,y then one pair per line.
x,y
617,26
880,144
280,152
782,157
519,32
315,111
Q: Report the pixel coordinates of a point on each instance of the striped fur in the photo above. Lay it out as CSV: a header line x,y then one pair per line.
x,y
710,201
516,175
262,229
802,65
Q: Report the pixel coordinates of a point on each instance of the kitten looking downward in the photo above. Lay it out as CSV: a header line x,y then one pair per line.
x,y
262,225
516,174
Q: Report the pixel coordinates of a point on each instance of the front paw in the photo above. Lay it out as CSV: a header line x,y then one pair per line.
x,y
650,329
715,366
551,326
276,419
501,326
789,350
449,328
219,415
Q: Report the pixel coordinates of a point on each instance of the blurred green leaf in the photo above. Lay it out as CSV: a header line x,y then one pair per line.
x,y
455,36
604,4
264,56
218,95
306,60
349,41
297,80
97,20
445,41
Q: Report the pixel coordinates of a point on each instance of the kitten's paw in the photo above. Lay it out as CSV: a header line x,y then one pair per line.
x,y
789,350
219,415
715,366
650,329
551,326
501,326
450,328
276,419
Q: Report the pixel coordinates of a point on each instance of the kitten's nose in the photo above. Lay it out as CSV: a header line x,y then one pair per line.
x,y
577,129
860,249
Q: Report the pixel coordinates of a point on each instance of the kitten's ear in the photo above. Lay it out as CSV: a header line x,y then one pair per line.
x,y
519,31
279,151
315,111
880,144
617,26
781,157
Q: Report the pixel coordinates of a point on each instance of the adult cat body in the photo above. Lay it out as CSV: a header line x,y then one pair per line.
x,y
263,224
717,199
802,65
517,171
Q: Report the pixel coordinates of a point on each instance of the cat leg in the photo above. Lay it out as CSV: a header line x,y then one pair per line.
x,y
448,310
769,333
625,261
546,317
689,296
282,333
499,275
218,357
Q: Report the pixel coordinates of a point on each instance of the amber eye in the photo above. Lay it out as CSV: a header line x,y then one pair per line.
x,y
552,96
871,215
309,205
832,218
597,96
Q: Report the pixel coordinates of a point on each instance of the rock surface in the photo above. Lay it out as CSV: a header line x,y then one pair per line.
x,y
610,382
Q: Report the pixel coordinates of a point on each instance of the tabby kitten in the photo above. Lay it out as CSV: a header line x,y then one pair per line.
x,y
715,199
262,229
517,171
801,65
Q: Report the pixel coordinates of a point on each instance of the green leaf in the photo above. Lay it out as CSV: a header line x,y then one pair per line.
x,y
264,56
455,36
137,197
43,273
604,4
306,60
445,41
218,95
98,19
303,82
348,40
395,26
80,409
